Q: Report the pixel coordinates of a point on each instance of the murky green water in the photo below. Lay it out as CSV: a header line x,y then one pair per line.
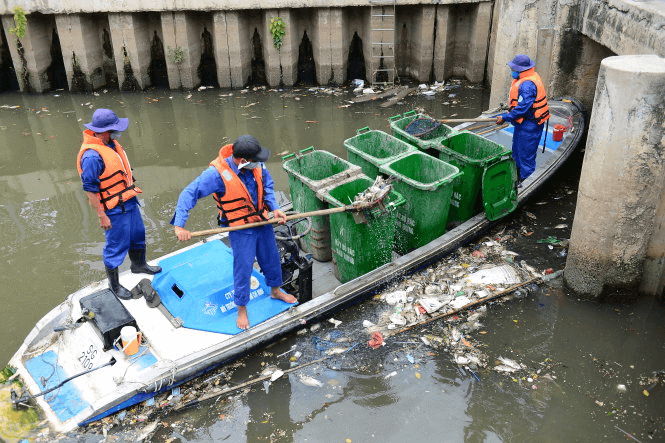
x,y
51,245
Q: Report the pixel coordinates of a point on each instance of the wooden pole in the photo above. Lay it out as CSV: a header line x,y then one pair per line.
x,y
463,120
277,220
242,385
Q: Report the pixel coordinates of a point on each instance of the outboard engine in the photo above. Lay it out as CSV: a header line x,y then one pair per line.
x,y
296,267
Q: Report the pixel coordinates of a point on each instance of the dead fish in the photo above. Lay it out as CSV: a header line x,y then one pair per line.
x,y
336,350
504,368
510,363
561,226
310,381
530,215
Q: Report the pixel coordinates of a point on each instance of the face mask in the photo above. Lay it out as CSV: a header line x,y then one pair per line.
x,y
515,74
115,134
249,165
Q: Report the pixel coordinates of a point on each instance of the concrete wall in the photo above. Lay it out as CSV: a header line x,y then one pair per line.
x,y
472,39
108,45
569,38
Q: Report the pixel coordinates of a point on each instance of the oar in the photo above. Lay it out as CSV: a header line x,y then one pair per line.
x,y
349,208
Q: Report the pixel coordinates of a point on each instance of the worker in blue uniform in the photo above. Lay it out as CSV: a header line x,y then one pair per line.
x,y
528,113
244,192
109,183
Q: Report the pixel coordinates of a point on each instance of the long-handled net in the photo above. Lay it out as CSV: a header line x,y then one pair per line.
x,y
422,126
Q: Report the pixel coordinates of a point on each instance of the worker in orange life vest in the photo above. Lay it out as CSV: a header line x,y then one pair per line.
x,y
107,179
243,190
528,113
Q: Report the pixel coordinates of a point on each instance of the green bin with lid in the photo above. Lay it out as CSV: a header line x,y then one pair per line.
x,y
369,149
427,186
358,248
485,165
311,171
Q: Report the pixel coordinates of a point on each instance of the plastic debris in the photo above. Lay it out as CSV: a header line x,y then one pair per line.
x,y
367,324
503,274
335,322
376,341
396,297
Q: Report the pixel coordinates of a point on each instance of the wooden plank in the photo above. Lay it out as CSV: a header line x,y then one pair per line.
x,y
397,98
368,97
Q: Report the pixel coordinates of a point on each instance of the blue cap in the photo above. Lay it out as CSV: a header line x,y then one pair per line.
x,y
105,120
521,63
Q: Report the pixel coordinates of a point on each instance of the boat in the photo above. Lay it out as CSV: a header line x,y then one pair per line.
x,y
75,364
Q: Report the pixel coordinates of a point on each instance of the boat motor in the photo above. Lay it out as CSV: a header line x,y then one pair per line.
x,y
296,267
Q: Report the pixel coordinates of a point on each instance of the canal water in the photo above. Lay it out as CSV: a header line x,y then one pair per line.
x,y
595,372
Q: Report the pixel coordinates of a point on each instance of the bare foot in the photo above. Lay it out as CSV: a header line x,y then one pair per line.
x,y
279,295
242,321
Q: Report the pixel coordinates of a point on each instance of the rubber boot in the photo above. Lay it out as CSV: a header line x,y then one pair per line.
x,y
139,265
114,284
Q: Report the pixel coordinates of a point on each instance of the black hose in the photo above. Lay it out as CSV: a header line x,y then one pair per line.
x,y
24,398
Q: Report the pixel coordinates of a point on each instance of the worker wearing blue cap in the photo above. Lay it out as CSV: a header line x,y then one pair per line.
x,y
108,180
528,113
244,192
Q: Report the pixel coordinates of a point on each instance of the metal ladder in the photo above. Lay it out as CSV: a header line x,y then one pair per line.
x,y
382,42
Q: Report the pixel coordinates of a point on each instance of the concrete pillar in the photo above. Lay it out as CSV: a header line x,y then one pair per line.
x,y
480,35
329,50
282,64
233,50
131,38
441,69
35,58
415,41
181,34
79,37
617,233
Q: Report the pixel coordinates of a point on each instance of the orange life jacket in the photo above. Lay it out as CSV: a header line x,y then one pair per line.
x,y
116,181
540,109
236,206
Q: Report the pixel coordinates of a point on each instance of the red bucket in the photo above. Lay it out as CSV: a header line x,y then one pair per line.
x,y
557,133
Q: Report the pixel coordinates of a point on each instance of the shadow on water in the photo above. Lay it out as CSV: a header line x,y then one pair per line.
x,y
577,353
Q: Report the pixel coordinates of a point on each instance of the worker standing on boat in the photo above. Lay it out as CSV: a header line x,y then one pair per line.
x,y
107,179
243,191
528,113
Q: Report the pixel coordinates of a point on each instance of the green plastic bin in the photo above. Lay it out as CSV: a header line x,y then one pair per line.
x,y
473,154
429,143
311,171
370,149
427,186
359,248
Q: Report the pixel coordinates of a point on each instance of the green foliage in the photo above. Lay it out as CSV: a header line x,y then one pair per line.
x,y
21,22
176,55
277,29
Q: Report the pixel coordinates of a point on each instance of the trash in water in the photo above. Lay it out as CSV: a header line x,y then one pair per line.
x,y
395,297
335,322
504,274
367,324
358,83
550,239
376,341
276,374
